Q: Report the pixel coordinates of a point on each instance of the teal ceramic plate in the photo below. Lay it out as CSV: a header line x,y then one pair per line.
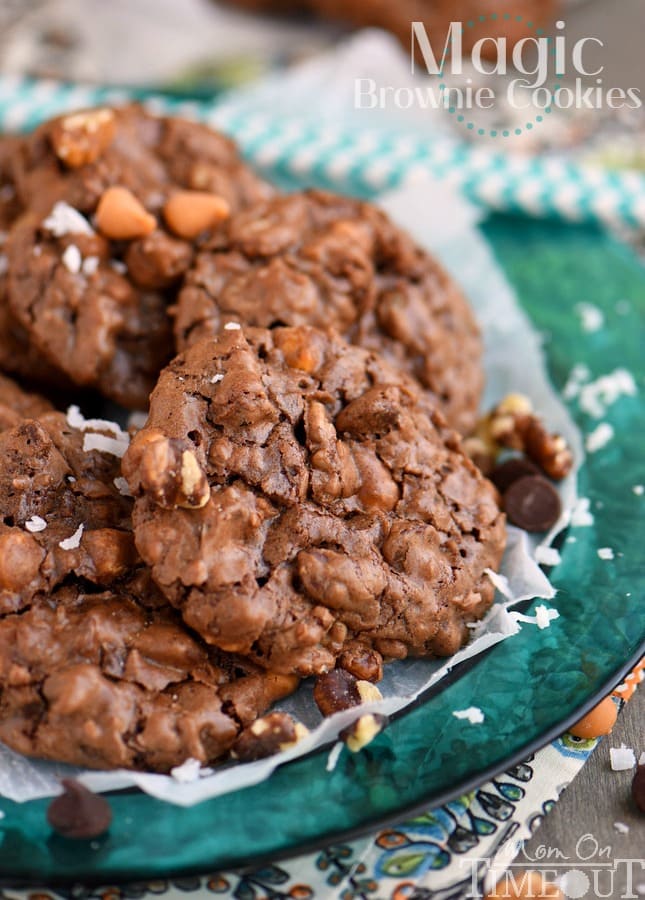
x,y
531,686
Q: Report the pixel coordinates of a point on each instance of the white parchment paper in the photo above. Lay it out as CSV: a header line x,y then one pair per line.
x,y
441,221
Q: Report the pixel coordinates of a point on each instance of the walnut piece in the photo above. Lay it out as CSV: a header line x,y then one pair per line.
x,y
81,138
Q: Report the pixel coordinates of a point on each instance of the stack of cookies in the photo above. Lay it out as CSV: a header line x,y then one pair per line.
x,y
295,501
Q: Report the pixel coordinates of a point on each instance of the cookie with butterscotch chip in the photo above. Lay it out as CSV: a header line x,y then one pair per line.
x,y
113,201
296,495
315,258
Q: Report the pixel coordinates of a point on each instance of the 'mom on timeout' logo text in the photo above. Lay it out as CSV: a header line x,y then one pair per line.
x,y
525,76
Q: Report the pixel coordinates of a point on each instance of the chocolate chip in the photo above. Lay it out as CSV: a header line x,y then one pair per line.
x,y
511,470
638,788
335,691
532,503
78,813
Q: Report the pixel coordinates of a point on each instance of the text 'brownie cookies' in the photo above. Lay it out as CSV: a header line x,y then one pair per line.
x,y
295,493
319,259
113,201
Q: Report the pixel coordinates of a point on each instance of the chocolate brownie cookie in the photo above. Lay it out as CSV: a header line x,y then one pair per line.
x,y
100,680
16,355
114,199
62,516
296,493
318,259
90,320
17,404
77,157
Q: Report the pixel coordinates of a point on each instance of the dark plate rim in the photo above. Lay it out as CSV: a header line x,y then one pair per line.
x,y
432,800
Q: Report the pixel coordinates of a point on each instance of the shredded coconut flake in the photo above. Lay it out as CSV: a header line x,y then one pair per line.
x,y
639,490
547,556
581,516
597,396
90,265
115,446
622,758
71,543
334,755
35,524
605,553
122,486
621,828
578,376
216,379
500,582
118,266
64,219
188,771
591,317
473,714
542,618
75,419
599,437
232,326
72,259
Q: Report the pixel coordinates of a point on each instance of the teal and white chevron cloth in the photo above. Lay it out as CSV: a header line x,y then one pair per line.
x,y
366,161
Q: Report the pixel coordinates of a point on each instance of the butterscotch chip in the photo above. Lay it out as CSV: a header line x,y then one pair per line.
x,y
121,217
318,259
189,213
297,556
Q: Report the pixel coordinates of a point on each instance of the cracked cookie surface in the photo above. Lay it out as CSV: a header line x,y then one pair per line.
x,y
101,680
96,307
62,516
296,495
315,258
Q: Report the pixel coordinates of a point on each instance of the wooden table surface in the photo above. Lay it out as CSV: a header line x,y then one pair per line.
x,y
595,800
